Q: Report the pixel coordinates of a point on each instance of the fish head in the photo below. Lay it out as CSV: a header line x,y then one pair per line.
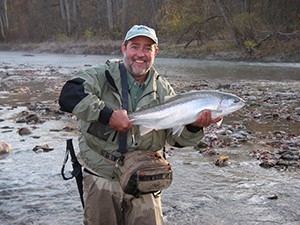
x,y
230,103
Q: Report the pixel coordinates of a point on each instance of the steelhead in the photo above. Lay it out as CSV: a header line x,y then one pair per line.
x,y
182,109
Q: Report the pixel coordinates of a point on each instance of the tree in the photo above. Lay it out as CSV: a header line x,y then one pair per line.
x,y
3,18
69,14
110,21
228,21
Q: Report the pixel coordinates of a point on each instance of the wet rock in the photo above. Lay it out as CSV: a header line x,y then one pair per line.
x,y
35,136
257,115
224,86
208,151
226,135
268,163
240,135
272,197
275,115
5,149
32,118
280,159
290,155
279,134
202,145
28,118
66,128
24,131
296,111
222,160
42,148
252,98
6,129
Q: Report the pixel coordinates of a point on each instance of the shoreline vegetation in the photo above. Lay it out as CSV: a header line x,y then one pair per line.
x,y
235,30
278,51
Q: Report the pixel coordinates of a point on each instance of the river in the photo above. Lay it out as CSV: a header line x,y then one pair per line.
x,y
32,190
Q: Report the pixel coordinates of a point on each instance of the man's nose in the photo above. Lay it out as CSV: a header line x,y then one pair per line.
x,y
141,52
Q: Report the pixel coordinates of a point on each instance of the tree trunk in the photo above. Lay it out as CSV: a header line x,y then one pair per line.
x,y
74,10
68,16
2,27
154,11
109,15
62,9
6,24
124,12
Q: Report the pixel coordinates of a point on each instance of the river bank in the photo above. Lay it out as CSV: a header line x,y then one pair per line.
x,y
279,51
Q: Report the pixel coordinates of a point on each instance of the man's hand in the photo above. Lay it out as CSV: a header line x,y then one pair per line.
x,y
204,119
119,121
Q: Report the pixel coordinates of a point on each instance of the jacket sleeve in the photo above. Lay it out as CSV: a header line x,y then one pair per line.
x,y
80,96
71,94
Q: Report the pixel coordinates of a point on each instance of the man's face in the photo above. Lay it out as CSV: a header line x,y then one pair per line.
x,y
139,54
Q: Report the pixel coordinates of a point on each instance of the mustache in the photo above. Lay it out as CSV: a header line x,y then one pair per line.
x,y
143,58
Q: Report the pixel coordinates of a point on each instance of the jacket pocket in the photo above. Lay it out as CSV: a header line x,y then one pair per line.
x,y
99,130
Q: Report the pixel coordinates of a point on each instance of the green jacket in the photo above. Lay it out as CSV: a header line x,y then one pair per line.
x,y
93,94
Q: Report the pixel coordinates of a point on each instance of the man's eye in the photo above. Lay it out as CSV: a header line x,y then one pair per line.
x,y
148,49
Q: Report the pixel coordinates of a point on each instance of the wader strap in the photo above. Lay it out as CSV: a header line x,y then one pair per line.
x,y
123,135
109,156
77,169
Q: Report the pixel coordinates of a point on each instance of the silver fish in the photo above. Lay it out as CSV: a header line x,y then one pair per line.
x,y
183,109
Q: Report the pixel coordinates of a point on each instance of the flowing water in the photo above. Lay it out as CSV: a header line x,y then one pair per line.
x,y
33,192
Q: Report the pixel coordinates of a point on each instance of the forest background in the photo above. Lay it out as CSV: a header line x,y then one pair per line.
x,y
264,30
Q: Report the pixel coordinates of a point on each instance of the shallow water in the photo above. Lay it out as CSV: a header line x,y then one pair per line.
x,y
31,188
33,192
240,193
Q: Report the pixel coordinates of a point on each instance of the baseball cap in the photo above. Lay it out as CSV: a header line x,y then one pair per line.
x,y
141,30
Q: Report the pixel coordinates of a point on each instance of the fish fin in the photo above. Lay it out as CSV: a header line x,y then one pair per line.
x,y
169,97
219,122
216,113
177,130
144,130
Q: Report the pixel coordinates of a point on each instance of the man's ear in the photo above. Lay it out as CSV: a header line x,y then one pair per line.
x,y
156,51
123,48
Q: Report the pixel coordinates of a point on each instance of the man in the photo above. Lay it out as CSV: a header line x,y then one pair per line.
x,y
95,97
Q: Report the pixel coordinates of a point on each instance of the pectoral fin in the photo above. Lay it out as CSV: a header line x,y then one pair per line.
x,y
219,122
177,130
144,130
169,97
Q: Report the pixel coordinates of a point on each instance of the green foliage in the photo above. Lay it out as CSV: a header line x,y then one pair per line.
x,y
249,44
62,37
88,33
248,24
175,17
